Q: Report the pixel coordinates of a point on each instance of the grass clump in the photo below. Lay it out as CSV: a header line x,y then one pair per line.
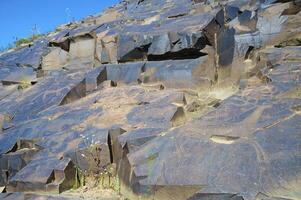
x,y
22,41
25,82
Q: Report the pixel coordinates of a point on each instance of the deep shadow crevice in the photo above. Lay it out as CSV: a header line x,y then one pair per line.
x,y
180,55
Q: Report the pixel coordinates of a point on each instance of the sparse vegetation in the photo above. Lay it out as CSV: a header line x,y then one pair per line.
x,y
33,37
24,83
22,41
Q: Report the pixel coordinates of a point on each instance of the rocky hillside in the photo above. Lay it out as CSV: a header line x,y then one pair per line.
x,y
157,99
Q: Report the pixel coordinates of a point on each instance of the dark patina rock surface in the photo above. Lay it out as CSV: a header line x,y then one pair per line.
x,y
157,99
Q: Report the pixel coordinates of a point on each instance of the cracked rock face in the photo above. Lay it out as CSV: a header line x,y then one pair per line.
x,y
177,99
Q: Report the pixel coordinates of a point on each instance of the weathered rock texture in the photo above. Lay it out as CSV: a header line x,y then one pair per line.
x,y
175,99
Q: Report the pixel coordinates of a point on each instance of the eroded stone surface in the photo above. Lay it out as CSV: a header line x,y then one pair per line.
x,y
158,99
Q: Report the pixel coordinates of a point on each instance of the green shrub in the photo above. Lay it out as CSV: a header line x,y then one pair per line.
x,y
22,41
33,37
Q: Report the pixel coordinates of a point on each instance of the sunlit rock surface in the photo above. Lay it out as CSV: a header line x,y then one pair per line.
x,y
157,99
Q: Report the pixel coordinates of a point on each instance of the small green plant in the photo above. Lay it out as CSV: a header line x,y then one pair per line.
x,y
21,41
24,83
24,41
33,37
79,178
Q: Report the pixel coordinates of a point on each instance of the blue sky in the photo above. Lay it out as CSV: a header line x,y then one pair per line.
x,y
19,17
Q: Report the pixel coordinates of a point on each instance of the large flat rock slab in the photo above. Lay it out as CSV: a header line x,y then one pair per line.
x,y
155,99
